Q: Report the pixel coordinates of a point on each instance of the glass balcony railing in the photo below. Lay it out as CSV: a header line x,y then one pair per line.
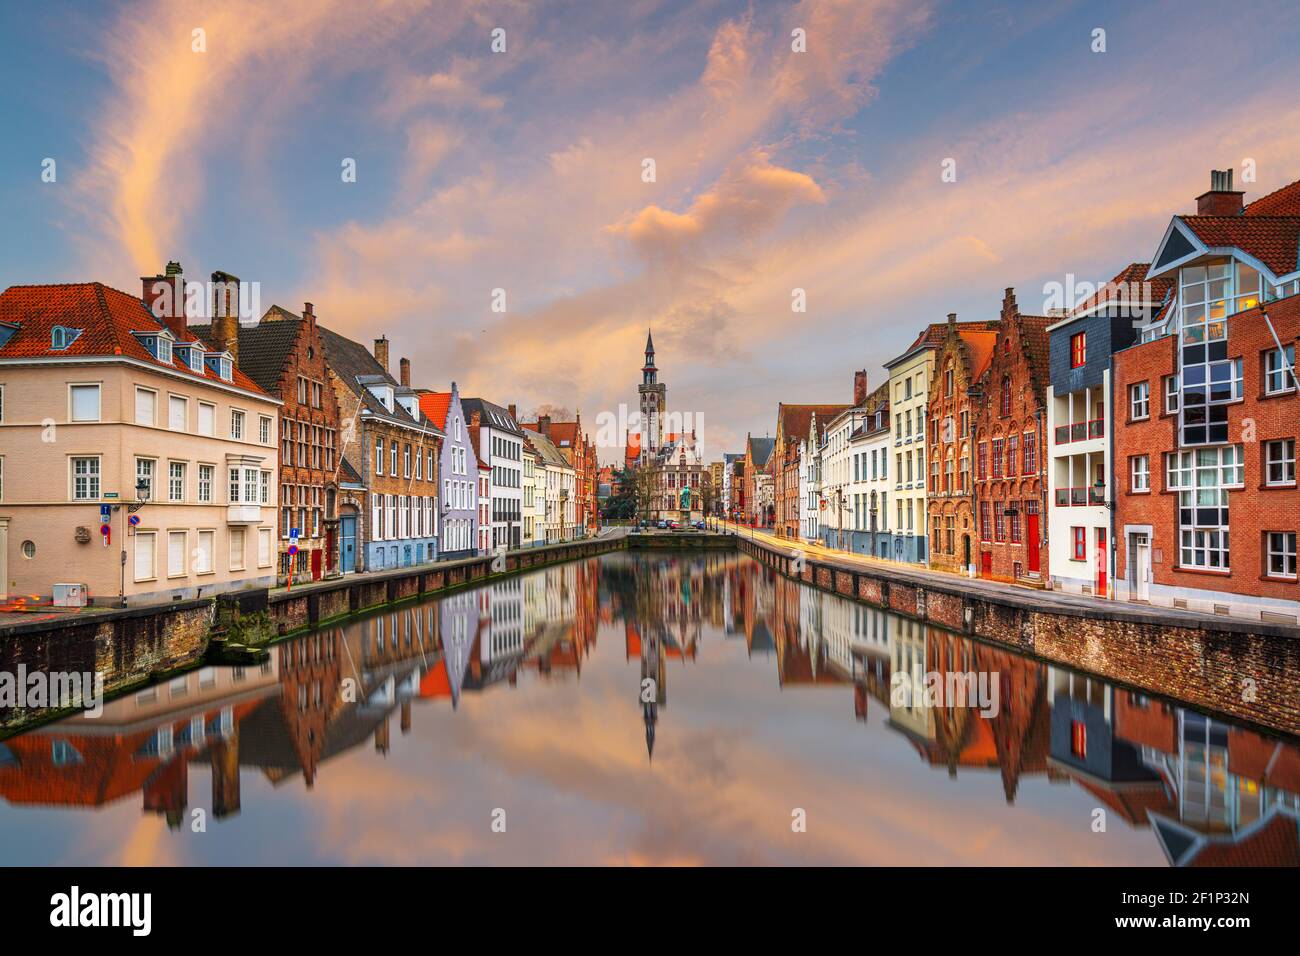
x,y
1080,431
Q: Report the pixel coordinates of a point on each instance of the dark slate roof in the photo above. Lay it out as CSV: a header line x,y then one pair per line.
x,y
490,415
264,347
353,363
761,450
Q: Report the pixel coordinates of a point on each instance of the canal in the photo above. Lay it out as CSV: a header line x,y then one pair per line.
x,y
655,708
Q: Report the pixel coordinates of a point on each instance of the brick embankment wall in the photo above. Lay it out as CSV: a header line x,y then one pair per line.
x,y
1246,671
126,646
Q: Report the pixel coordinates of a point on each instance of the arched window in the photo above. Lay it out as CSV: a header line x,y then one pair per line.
x,y
1006,395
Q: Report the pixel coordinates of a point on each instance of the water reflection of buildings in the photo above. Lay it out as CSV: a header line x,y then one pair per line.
x,y
1214,794
317,697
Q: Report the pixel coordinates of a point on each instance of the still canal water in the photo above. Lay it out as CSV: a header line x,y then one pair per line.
x,y
417,736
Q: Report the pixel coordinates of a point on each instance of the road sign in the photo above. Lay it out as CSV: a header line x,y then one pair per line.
x,y
293,550
105,510
293,534
134,520
105,530
110,494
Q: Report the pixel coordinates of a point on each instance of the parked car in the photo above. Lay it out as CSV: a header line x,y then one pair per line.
x,y
675,525
663,523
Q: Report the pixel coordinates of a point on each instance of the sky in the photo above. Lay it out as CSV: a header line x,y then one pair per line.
x,y
524,169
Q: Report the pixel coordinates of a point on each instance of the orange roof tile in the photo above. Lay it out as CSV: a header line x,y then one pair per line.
x,y
106,318
435,406
1273,240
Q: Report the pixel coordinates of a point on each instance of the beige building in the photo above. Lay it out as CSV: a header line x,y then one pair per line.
x,y
560,486
110,416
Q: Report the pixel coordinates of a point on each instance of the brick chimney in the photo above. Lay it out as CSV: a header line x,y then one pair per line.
x,y
225,314
544,425
1222,199
165,297
404,364
860,387
309,315
511,409
381,352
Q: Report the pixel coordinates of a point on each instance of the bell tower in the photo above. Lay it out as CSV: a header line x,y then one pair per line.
x,y
654,398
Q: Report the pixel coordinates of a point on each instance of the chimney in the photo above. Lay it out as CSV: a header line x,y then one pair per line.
x,y
381,352
1222,199
165,297
860,387
952,318
511,409
544,425
309,315
225,314
404,365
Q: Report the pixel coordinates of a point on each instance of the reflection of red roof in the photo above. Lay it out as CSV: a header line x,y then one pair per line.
x,y
1272,841
106,318
1272,763
436,682
435,406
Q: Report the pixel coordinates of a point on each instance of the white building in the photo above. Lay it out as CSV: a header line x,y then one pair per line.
x,y
501,448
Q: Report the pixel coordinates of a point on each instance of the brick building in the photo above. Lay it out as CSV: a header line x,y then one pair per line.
x,y
759,509
961,359
792,427
1208,511
580,452
391,446
284,355
1010,484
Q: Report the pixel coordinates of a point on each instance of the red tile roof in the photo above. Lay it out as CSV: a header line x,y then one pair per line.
x,y
107,317
1282,202
1131,279
435,406
1273,240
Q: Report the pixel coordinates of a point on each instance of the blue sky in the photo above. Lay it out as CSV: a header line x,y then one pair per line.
x,y
521,170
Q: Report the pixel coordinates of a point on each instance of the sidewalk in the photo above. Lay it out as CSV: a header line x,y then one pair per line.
x,y
1015,593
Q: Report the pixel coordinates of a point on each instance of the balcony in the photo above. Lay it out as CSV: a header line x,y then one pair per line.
x,y
1080,497
1080,431
243,514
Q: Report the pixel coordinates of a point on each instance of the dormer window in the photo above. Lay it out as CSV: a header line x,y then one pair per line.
x,y
61,337
222,364
192,356
159,344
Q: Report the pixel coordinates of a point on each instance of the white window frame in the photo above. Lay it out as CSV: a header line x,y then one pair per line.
x,y
211,430
1140,473
93,479
140,538
1281,373
1285,458
237,421
1276,545
185,547
185,403
73,387
208,484
140,390
1139,400
172,478
205,563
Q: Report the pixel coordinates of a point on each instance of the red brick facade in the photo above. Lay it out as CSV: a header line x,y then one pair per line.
x,y
1010,438
960,361
1255,507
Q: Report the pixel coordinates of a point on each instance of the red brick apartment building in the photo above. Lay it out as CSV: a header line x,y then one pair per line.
x,y
960,362
1010,437
793,423
1208,510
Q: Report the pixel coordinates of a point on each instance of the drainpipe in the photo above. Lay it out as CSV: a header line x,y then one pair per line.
x,y
1109,414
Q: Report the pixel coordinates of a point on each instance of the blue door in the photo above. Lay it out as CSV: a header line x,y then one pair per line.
x,y
347,543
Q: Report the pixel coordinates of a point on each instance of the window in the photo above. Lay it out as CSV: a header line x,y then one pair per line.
x,y
1079,739
1139,473
84,403
144,478
176,481
379,456
85,479
264,430
1139,400
982,469
178,413
985,530
1006,396
997,457
1277,371
1171,394
176,547
206,477
1078,349
999,521
1279,462
236,424
392,459
1080,543
1281,554
263,547
145,399
1030,464
207,418
236,549
203,553
144,546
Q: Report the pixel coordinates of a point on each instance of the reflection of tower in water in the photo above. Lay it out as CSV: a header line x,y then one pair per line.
x,y
653,688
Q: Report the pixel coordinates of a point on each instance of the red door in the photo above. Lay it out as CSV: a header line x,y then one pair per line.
x,y
1031,529
1102,563
986,564
315,564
